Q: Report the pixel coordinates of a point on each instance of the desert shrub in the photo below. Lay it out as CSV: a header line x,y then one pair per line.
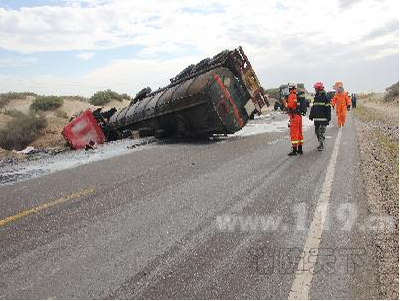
x,y
46,103
20,132
103,97
125,96
392,92
5,98
273,93
75,97
113,95
100,98
61,114
13,113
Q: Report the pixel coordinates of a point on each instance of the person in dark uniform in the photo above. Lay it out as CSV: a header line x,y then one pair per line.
x,y
353,101
320,113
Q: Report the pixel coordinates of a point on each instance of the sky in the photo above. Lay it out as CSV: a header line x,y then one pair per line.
x,y
82,46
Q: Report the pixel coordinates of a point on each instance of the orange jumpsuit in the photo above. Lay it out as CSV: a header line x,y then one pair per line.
x,y
296,123
341,101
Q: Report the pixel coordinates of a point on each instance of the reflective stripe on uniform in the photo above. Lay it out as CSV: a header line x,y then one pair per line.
x,y
320,119
322,104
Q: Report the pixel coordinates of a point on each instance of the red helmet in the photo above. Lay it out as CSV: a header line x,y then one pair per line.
x,y
319,86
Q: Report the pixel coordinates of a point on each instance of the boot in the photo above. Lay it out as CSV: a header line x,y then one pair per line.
x,y
300,149
321,146
293,152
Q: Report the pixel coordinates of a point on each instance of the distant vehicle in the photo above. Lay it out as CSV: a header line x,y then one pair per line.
x,y
301,94
284,93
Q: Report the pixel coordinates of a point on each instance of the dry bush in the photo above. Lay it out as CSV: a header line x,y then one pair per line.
x,y
21,131
61,114
75,97
5,98
13,113
126,96
103,97
46,103
392,92
273,93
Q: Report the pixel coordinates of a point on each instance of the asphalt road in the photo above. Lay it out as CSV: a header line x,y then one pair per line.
x,y
159,223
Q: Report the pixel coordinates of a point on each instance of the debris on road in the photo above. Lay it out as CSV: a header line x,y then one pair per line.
x,y
142,142
216,96
26,151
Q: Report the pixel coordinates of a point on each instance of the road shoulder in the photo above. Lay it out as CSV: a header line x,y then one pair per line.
x,y
378,139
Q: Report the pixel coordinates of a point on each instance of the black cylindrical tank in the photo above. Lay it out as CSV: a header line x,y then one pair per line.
x,y
211,103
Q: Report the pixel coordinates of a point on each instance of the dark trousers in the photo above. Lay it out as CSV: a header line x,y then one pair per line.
x,y
320,131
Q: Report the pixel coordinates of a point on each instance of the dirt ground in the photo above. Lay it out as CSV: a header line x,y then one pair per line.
x,y
378,137
4,119
385,109
50,136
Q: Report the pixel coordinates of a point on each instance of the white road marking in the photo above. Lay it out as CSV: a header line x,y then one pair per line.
x,y
302,281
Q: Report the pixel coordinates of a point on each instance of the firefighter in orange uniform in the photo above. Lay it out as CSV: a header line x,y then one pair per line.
x,y
296,127
342,103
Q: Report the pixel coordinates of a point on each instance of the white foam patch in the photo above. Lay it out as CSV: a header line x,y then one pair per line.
x,y
71,159
274,122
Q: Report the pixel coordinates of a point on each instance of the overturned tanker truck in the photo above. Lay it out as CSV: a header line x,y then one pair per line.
x,y
216,96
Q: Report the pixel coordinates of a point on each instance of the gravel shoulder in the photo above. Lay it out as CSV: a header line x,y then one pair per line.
x,y
378,137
